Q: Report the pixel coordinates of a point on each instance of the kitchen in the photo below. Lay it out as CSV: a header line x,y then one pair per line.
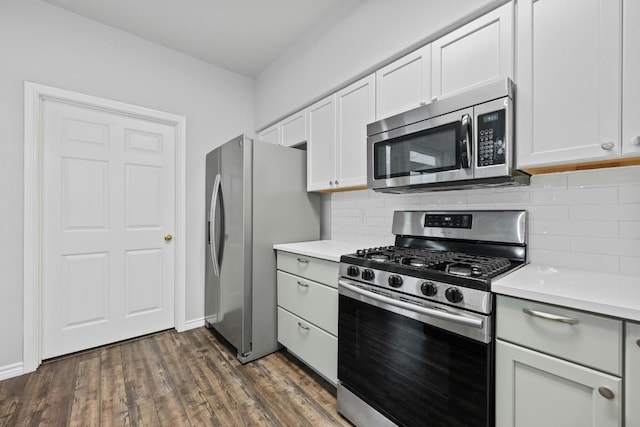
x,y
585,220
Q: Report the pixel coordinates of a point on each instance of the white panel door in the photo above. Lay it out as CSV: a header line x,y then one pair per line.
x,y
631,79
355,109
321,145
478,53
404,84
109,201
293,129
568,81
632,375
270,134
534,389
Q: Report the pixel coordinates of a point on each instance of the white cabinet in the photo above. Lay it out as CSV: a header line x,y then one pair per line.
x,y
404,84
534,389
556,366
568,81
293,129
477,53
355,108
308,311
631,78
287,132
337,138
632,375
270,134
321,145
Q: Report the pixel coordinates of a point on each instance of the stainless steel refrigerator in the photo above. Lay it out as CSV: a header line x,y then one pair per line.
x,y
256,196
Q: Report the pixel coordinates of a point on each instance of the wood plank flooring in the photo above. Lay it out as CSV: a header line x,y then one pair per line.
x,y
169,379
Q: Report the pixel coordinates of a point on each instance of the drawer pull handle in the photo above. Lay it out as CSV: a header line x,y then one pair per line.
x,y
304,285
550,316
306,328
303,261
606,392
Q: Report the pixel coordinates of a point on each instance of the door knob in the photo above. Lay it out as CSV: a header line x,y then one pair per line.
x,y
168,237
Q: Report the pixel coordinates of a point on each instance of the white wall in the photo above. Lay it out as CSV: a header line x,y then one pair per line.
x,y
588,220
373,32
43,44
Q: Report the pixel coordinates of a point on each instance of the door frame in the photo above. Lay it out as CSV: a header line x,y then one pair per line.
x,y
34,95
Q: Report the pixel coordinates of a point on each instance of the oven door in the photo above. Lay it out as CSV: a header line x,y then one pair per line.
x,y
394,361
427,152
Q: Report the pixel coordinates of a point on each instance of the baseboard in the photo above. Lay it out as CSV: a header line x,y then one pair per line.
x,y
11,371
194,323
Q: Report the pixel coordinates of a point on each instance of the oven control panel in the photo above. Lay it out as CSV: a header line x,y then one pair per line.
x,y
448,220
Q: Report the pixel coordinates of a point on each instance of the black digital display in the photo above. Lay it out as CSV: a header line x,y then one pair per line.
x,y
448,221
487,118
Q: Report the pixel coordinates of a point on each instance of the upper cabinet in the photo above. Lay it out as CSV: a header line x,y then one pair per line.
x,y
631,78
478,53
287,132
336,154
404,84
568,70
270,134
475,54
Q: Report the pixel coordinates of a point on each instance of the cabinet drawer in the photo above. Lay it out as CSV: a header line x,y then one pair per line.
x,y
594,341
310,300
316,269
312,345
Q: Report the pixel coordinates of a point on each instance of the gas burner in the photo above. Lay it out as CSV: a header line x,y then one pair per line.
x,y
379,257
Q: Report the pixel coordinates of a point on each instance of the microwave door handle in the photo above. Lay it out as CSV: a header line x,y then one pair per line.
x,y
465,143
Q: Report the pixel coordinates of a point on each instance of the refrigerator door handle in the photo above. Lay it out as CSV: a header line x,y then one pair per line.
x,y
212,225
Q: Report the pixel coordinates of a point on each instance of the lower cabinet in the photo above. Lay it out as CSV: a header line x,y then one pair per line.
x,y
308,311
556,366
632,375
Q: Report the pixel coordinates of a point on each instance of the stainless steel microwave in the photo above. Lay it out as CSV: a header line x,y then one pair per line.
x,y
462,141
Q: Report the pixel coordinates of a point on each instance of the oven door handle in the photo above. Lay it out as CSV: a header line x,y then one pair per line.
x,y
439,314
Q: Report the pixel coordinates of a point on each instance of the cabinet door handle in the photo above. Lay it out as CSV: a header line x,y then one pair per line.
x,y
607,145
306,328
635,141
638,342
549,316
303,261
606,392
304,285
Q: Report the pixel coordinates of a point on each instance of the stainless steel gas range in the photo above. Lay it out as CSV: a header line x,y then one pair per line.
x,y
415,328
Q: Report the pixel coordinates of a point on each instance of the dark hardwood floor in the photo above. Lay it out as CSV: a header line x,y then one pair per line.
x,y
169,379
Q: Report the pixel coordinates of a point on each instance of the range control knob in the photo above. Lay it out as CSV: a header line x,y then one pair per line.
x,y
395,281
429,289
453,295
367,274
353,271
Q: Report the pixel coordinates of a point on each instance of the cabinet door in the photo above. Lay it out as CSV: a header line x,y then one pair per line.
x,y
533,389
293,129
355,109
404,84
568,81
632,376
270,134
475,54
631,78
321,157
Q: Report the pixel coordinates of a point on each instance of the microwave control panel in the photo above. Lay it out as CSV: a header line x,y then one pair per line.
x,y
491,138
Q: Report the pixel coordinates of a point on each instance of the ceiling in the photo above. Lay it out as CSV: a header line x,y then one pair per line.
x,y
243,36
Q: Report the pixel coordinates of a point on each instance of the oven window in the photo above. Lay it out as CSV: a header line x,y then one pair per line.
x,y
428,151
412,373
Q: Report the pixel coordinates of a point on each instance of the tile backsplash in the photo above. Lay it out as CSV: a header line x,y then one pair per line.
x,y
588,220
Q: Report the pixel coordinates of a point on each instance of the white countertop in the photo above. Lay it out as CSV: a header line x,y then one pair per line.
x,y
609,294
324,249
